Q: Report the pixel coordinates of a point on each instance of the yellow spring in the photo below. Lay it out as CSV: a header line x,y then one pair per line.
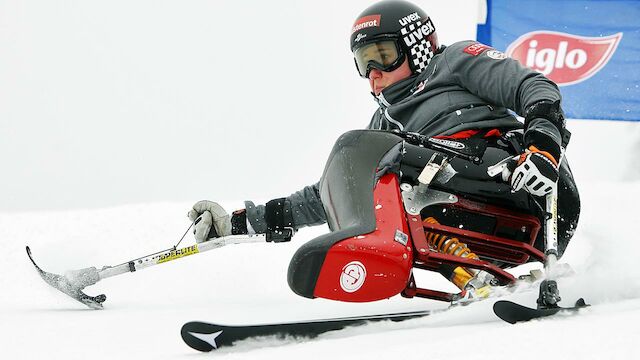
x,y
447,245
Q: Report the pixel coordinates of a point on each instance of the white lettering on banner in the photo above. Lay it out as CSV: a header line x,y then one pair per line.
x,y
564,58
548,59
418,34
409,19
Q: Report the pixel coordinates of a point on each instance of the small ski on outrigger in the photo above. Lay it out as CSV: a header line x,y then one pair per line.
x,y
549,296
206,337
73,282
513,313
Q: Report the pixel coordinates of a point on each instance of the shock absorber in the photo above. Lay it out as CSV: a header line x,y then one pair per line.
x,y
460,276
447,245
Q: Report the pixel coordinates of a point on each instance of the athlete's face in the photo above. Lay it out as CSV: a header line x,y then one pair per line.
x,y
381,79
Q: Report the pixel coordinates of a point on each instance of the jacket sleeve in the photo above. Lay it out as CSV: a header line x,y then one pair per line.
x,y
503,81
300,209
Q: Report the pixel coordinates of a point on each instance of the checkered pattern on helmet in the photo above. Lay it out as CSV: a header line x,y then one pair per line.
x,y
421,51
421,54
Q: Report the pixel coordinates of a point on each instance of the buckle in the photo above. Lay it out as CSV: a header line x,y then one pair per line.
x,y
431,169
280,235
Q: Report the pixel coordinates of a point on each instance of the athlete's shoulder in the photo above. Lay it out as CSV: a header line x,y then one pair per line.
x,y
468,47
471,50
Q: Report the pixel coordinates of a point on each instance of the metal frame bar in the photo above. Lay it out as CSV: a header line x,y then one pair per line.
x,y
513,251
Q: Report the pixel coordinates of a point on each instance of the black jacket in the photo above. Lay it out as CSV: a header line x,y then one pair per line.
x,y
465,86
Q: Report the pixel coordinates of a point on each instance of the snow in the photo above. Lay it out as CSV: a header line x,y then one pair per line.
x,y
81,195
247,284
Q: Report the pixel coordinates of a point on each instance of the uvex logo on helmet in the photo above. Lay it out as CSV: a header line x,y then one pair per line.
x,y
564,58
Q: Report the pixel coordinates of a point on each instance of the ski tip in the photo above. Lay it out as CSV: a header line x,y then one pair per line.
x,y
503,309
581,303
193,336
94,302
501,303
31,257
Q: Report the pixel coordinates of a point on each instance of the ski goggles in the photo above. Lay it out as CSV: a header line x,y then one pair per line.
x,y
385,55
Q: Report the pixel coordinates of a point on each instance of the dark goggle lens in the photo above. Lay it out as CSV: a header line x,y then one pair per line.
x,y
381,55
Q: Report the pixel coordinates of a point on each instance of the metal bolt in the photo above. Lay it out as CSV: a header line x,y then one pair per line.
x,y
405,187
523,229
412,210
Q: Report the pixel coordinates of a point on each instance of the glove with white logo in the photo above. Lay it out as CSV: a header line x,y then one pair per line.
x,y
536,171
211,215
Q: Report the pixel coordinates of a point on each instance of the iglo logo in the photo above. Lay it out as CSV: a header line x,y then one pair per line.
x,y
564,58
352,276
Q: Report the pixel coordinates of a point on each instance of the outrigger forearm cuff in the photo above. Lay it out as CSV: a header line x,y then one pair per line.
x,y
279,220
551,111
542,141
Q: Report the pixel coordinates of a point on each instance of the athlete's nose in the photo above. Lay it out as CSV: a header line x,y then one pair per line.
x,y
375,74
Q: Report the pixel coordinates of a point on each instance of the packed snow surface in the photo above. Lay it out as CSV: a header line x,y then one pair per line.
x,y
247,284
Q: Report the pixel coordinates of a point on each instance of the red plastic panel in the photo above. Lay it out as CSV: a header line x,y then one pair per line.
x,y
376,265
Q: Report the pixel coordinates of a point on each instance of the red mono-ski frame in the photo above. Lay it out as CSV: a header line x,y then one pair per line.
x,y
388,255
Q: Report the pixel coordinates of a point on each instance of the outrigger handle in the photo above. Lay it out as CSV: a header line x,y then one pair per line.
x,y
73,282
502,168
175,253
549,295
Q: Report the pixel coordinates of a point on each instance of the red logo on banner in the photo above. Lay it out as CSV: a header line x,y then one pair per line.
x,y
365,22
564,58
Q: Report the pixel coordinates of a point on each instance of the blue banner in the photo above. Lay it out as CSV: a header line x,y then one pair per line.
x,y
590,48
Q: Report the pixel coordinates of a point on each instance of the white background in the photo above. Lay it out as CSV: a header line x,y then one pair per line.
x,y
157,104
111,102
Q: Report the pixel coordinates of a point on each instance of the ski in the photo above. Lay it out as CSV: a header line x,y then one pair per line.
x,y
206,337
73,287
513,313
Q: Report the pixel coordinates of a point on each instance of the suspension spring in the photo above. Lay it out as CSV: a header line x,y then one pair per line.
x,y
447,245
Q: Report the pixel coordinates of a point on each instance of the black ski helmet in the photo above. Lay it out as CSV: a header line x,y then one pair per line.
x,y
403,22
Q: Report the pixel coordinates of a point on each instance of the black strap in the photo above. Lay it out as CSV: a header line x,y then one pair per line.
x,y
279,220
239,222
514,139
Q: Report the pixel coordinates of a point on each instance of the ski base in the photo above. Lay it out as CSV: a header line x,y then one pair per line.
x,y
206,337
514,313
